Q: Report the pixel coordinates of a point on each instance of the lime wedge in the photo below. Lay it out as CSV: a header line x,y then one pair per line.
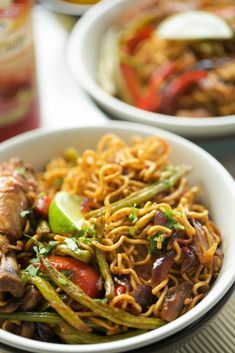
x,y
193,25
65,214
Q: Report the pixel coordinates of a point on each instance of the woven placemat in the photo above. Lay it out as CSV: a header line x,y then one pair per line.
x,y
217,337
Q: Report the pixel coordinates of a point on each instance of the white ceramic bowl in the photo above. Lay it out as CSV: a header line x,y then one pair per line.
x,y
218,191
66,7
83,56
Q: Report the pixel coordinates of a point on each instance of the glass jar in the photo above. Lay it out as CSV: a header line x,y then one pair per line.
x,y
19,108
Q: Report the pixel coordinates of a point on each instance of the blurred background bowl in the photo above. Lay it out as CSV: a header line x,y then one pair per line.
x,y
83,56
218,193
67,7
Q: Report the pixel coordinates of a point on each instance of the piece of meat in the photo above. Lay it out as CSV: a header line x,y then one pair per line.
x,y
143,296
16,180
13,201
21,170
9,279
161,267
160,219
189,259
174,301
31,298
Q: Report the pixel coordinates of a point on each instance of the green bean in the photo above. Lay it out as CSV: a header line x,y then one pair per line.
x,y
66,332
49,293
81,255
102,262
106,273
43,317
69,335
144,194
113,314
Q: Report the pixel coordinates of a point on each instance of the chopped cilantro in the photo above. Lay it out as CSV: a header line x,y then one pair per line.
x,y
153,243
133,217
171,222
25,213
39,250
85,240
86,231
178,226
21,171
33,271
169,212
71,244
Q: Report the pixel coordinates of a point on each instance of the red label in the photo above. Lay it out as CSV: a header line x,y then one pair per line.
x,y
11,12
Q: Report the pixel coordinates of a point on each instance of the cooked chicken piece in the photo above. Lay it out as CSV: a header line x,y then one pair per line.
x,y
16,180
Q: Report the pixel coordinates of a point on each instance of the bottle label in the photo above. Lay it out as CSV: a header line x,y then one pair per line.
x,y
17,68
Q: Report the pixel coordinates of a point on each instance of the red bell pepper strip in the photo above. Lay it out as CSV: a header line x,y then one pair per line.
x,y
178,86
140,35
151,100
131,81
80,273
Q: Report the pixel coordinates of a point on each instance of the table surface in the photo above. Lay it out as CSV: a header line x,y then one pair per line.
x,y
64,104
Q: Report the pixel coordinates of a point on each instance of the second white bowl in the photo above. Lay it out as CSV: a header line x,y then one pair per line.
x,y
83,56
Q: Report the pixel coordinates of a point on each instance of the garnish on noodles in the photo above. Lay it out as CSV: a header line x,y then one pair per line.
x,y
102,245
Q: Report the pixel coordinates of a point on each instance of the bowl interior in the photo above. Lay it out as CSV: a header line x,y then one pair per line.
x,y
218,192
83,56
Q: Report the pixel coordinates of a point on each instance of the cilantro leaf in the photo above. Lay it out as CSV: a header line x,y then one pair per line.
x,y
171,222
21,171
25,213
153,246
86,231
33,271
133,217
153,243
44,251
71,244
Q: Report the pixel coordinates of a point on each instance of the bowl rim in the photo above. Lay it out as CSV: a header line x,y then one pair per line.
x,y
78,39
165,331
66,7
